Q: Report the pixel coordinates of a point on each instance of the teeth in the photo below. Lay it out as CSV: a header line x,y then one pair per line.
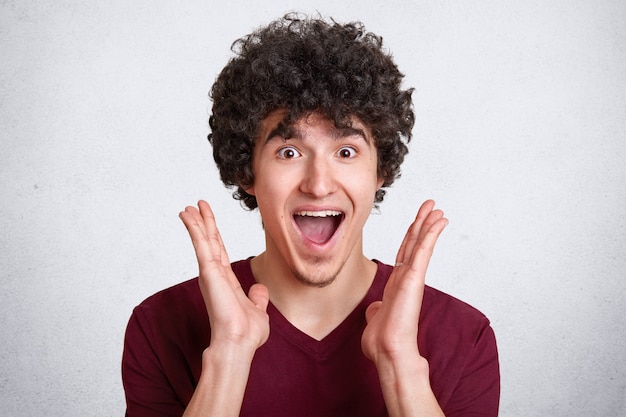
x,y
323,213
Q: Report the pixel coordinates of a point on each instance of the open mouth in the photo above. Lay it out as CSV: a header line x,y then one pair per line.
x,y
318,226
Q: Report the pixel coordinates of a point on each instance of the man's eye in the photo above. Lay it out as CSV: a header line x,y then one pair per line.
x,y
288,152
347,152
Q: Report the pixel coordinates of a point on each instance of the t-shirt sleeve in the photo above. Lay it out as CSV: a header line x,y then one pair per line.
x,y
148,391
478,390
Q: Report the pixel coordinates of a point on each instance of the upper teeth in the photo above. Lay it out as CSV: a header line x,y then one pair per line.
x,y
323,213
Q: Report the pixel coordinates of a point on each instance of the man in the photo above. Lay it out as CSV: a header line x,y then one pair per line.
x,y
309,124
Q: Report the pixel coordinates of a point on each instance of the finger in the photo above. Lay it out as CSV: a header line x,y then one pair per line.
x,y
212,231
426,217
413,234
259,295
408,237
210,253
430,219
423,250
206,247
191,215
413,273
372,309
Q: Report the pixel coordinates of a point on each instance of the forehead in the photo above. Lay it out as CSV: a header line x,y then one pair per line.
x,y
277,124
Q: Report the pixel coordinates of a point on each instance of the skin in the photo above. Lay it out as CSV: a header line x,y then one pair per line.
x,y
316,167
317,285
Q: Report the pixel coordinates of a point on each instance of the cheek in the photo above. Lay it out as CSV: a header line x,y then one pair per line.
x,y
272,192
374,175
365,188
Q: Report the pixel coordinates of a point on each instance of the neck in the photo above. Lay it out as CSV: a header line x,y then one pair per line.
x,y
315,310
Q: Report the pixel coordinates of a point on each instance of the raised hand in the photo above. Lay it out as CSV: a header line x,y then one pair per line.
x,y
239,323
390,338
237,320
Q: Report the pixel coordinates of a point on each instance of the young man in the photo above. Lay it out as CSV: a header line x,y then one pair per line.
x,y
309,125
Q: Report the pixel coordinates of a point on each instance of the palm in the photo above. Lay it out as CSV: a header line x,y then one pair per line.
x,y
392,324
236,319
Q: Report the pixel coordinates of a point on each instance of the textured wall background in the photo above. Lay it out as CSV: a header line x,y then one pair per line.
x,y
521,138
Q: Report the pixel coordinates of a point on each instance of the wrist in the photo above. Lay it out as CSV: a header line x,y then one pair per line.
x,y
405,382
222,383
397,369
229,357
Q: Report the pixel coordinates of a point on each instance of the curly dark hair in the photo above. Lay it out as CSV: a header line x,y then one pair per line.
x,y
305,65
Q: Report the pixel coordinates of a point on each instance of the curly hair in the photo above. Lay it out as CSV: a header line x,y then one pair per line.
x,y
305,65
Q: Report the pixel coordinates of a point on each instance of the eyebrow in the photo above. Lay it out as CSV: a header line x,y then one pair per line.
x,y
287,132
283,130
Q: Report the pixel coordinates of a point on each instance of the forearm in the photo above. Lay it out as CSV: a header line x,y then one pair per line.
x,y
222,383
406,387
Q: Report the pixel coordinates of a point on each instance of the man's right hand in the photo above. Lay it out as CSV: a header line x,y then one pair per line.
x,y
239,323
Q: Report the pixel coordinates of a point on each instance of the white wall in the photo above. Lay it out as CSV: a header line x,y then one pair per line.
x,y
520,137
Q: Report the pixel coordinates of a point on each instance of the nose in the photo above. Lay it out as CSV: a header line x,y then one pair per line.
x,y
319,179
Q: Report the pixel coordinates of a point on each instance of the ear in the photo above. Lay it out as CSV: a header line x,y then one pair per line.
x,y
380,183
250,190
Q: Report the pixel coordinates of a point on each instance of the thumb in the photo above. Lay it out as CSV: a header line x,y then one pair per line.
x,y
259,295
372,310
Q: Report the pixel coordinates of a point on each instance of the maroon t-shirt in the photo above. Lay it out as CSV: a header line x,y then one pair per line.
x,y
293,374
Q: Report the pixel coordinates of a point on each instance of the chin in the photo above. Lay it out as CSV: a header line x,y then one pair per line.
x,y
316,277
315,282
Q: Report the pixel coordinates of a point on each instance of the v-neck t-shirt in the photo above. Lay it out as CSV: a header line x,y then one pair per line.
x,y
293,374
